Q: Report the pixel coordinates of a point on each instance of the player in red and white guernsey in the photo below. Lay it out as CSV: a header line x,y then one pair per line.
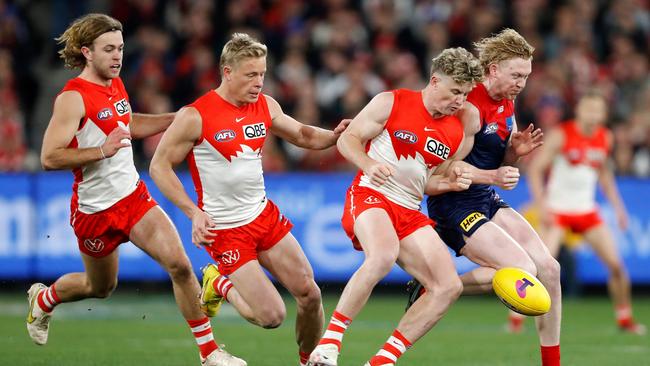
x,y
90,132
475,222
222,134
399,141
577,155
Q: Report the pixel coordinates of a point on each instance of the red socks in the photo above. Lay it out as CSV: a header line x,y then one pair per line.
x,y
222,285
550,355
47,299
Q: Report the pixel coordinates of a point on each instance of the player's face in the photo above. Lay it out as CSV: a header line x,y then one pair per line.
x,y
450,95
591,112
246,79
105,55
510,77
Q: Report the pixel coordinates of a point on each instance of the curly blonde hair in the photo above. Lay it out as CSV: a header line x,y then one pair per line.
x,y
459,64
82,33
241,46
505,45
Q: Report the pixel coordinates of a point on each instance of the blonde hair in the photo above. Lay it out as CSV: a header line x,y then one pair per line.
x,y
459,64
241,46
505,45
82,33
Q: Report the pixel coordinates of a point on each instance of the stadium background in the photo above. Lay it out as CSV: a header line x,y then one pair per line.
x,y
326,60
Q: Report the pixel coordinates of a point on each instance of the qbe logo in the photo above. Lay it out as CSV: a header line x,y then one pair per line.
x,y
437,148
254,131
121,107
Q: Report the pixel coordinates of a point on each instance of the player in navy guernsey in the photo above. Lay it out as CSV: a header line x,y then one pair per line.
x,y
476,223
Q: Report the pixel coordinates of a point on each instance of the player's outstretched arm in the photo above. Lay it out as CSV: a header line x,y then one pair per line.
x,y
145,125
610,189
67,114
299,134
174,146
368,124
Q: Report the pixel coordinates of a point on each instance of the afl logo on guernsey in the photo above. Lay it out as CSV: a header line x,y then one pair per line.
x,y
254,131
405,136
225,135
104,114
437,148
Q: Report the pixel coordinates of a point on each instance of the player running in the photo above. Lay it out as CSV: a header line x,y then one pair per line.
x,y
398,141
476,223
90,132
222,134
576,153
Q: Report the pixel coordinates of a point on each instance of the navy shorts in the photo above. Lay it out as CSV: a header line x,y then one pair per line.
x,y
457,216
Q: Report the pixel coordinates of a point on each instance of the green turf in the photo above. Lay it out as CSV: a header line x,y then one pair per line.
x,y
145,329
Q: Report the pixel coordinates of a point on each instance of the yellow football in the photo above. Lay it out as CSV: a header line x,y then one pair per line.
x,y
521,291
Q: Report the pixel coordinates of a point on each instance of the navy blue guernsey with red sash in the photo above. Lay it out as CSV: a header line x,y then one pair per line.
x,y
461,213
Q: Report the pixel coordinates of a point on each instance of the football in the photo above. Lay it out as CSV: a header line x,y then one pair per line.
x,y
521,291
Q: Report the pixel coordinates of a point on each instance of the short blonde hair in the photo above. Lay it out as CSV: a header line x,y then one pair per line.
x,y
82,33
505,45
241,46
459,64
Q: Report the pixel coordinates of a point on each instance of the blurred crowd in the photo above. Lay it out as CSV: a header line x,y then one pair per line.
x,y
328,58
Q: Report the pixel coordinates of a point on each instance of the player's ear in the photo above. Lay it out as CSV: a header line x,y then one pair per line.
x,y
434,80
493,68
227,72
86,51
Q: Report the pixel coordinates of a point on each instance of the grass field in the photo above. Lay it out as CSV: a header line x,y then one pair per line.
x,y
145,329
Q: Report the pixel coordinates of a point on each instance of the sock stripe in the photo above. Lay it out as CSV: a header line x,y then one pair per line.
x,y
201,327
204,339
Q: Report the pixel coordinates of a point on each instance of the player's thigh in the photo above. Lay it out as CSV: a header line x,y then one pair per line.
x,y
492,246
156,235
424,256
523,233
601,240
288,264
376,233
101,272
254,286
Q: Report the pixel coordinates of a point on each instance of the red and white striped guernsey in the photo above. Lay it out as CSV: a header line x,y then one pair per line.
x,y
226,162
99,185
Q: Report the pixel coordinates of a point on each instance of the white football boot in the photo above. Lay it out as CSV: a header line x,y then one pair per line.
x,y
38,321
220,357
324,355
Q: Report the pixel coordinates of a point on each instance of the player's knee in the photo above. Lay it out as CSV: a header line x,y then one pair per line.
x,y
549,271
272,317
309,296
179,269
380,264
616,270
103,291
452,288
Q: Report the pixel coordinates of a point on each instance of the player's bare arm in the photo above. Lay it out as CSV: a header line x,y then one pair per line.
x,y
174,146
522,143
67,115
299,134
145,125
540,164
368,124
610,189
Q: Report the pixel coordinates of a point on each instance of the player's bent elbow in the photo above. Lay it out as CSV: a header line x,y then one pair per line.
x,y
47,163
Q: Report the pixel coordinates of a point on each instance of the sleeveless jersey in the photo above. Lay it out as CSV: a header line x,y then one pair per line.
x,y
226,162
574,174
414,143
99,185
490,143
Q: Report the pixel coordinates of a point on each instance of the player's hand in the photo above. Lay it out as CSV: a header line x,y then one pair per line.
x,y
201,226
507,177
622,219
524,142
118,138
338,130
379,173
460,178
